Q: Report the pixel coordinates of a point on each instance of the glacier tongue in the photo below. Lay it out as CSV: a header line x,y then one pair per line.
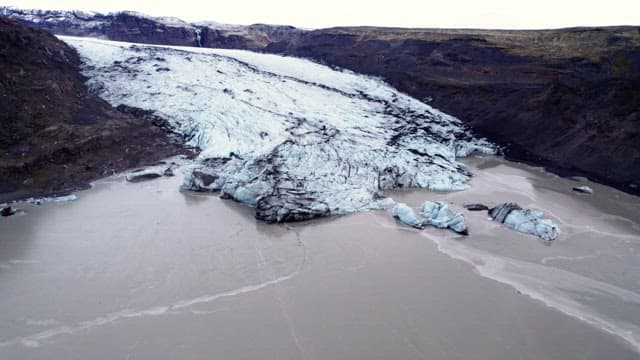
x,y
292,138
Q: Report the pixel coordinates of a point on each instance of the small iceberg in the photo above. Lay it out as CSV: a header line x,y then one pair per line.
x,y
405,214
525,221
149,173
583,189
58,199
66,198
439,215
435,214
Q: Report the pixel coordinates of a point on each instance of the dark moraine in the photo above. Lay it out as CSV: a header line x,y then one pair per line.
x,y
55,136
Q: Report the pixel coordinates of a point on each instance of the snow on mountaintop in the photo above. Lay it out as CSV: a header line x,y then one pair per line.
x,y
91,19
165,20
290,137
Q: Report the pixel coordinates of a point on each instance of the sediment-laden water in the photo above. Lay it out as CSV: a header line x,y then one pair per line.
x,y
142,270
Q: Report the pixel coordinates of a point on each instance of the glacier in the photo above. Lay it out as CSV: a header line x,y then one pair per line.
x,y
292,138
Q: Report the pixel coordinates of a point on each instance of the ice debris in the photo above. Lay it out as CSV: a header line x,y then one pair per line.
x,y
525,221
406,214
435,214
583,189
439,215
149,173
40,201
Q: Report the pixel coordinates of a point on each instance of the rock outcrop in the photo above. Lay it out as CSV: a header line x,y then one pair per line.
x,y
8,211
583,189
476,207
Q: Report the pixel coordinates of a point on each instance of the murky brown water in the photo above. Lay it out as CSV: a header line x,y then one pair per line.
x,y
140,271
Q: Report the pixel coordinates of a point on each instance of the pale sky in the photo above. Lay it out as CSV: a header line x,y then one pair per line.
x,y
494,14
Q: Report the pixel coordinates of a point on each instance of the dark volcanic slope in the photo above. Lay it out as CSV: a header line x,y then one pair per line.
x,y
54,136
135,27
568,99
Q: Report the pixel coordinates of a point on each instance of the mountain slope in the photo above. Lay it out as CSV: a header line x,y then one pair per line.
x,y
54,136
294,139
139,28
568,99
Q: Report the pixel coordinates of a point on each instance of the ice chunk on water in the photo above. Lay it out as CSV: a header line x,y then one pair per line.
x,y
147,174
531,222
405,214
525,221
439,215
40,201
583,189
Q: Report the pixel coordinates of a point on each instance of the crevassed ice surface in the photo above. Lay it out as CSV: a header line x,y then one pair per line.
x,y
291,137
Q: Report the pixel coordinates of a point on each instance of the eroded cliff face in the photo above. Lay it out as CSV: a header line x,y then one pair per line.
x,y
54,135
568,99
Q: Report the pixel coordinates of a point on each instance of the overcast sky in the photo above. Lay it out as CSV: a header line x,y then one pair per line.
x,y
504,14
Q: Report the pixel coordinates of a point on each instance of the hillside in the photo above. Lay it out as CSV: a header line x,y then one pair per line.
x,y
54,135
568,99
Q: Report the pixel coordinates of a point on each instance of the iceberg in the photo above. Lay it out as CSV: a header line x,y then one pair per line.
x,y
525,221
583,189
439,215
149,173
405,214
476,207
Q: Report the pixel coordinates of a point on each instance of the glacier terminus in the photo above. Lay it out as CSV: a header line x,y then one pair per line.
x,y
292,138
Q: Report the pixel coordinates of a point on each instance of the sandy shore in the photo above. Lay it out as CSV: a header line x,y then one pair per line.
x,y
141,271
